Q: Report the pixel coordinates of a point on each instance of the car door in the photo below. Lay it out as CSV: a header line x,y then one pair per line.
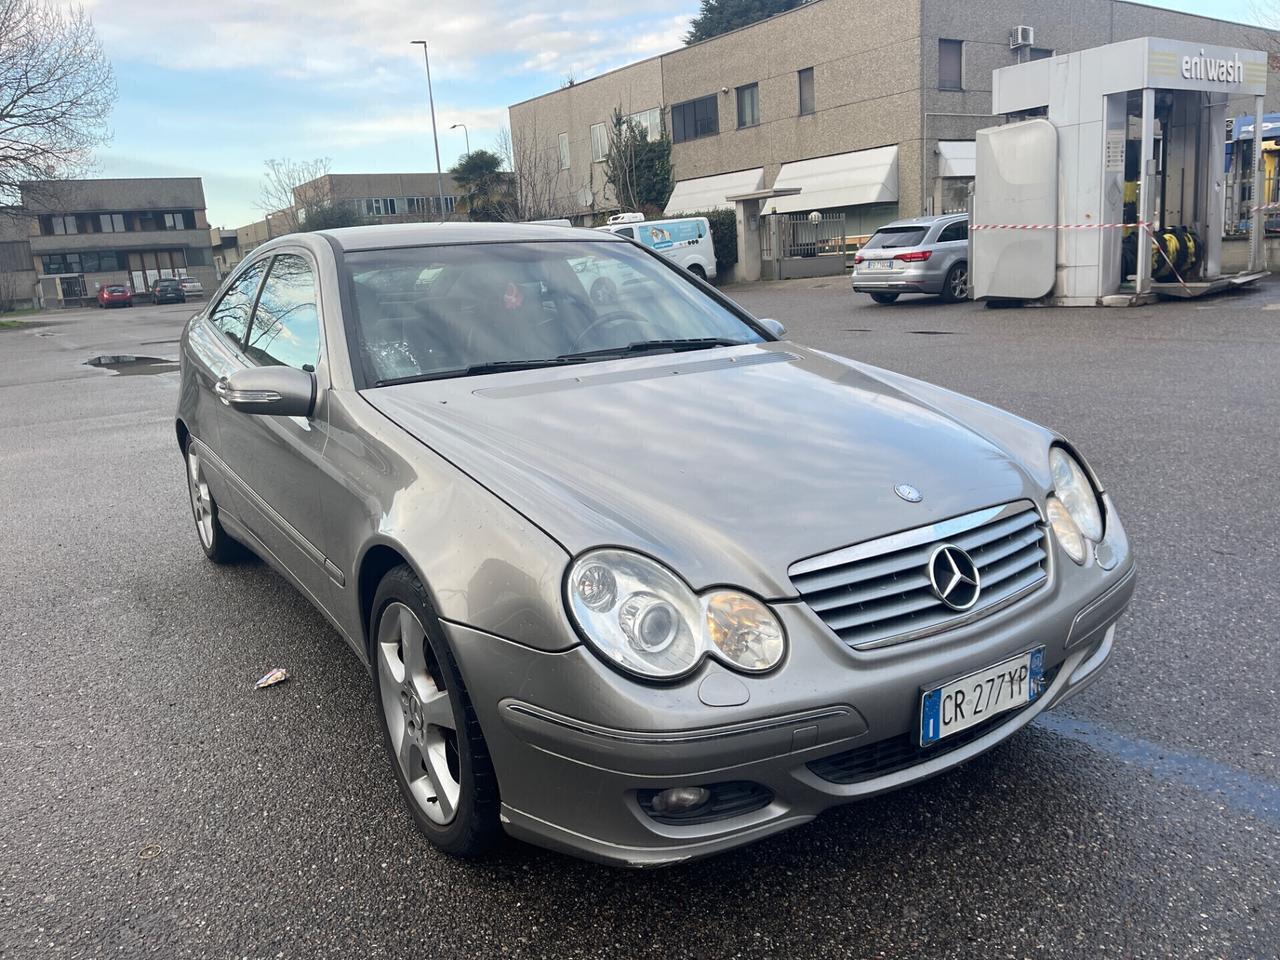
x,y
214,345
278,459
953,242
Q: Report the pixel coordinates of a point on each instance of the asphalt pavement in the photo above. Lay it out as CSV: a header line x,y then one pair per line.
x,y
153,803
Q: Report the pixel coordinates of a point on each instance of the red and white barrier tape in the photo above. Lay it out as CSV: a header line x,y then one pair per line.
x,y
1052,226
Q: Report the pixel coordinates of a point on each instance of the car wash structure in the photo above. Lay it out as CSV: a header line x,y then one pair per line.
x,y
1107,183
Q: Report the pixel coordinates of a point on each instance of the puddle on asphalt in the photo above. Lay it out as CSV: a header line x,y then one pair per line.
x,y
127,365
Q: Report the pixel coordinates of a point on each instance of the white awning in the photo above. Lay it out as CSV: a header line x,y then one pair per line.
x,y
845,180
956,158
708,193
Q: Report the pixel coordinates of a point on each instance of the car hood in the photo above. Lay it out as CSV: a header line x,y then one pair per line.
x,y
729,465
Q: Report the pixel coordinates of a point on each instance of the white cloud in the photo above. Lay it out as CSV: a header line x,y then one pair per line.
x,y
331,131
332,39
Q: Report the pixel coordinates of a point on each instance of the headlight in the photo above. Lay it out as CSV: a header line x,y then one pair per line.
x,y
1074,493
1065,529
643,618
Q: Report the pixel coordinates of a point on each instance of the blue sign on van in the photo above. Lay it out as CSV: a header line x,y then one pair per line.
x,y
664,236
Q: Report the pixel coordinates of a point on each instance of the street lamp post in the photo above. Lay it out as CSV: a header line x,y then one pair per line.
x,y
435,139
465,133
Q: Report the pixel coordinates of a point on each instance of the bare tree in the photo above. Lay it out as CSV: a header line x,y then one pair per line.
x,y
56,93
290,191
541,188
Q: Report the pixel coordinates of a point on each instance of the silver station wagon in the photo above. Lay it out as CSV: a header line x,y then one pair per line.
x,y
639,579
921,255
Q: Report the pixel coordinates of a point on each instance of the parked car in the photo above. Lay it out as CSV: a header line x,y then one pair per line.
x,y
168,291
191,287
114,295
921,255
685,240
640,581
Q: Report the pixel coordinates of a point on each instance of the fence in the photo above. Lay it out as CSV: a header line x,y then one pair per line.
x,y
799,235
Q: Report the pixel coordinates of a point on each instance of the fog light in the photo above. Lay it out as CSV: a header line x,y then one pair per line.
x,y
680,799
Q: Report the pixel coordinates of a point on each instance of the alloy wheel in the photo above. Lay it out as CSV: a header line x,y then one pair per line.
x,y
419,714
960,283
201,499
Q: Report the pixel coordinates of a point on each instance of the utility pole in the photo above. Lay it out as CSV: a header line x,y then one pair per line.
x,y
435,139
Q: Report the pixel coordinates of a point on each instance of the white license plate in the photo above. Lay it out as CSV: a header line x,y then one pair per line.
x,y
958,705
878,265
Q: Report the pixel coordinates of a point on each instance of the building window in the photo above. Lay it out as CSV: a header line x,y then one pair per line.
x,y
648,121
380,207
415,204
806,92
748,105
955,196
450,203
175,221
695,118
111,222
599,142
53,263
564,151
950,64
1041,53
64,225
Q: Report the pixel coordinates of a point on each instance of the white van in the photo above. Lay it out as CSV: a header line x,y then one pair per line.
x,y
685,241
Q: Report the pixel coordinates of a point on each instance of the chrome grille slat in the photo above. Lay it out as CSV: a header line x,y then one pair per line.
x,y
877,593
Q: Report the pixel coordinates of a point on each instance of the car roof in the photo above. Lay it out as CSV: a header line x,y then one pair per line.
x,y
427,234
924,221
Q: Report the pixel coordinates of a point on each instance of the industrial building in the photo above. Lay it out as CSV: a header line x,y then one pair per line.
x,y
84,234
867,110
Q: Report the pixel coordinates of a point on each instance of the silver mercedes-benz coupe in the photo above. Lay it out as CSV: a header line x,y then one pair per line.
x,y
640,580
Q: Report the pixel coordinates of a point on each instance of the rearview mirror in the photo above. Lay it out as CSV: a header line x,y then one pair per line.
x,y
274,391
775,327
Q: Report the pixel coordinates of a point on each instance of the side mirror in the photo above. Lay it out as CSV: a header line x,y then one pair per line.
x,y
775,327
273,391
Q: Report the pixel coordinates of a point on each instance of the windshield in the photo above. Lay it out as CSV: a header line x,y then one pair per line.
x,y
458,310
896,237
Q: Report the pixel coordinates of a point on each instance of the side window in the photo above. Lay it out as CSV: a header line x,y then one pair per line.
x,y
231,315
286,324
626,232
954,231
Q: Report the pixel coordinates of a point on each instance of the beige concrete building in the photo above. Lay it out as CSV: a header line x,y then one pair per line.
x,y
870,109
384,197
85,234
19,288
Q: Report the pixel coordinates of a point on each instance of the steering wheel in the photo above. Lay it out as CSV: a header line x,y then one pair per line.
x,y
605,321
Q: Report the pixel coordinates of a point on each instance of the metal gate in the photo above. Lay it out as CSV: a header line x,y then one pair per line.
x,y
802,244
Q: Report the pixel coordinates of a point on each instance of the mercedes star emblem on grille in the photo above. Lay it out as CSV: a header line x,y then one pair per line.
x,y
954,577
908,493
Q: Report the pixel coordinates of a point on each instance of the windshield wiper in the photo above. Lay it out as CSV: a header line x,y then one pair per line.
x,y
655,346
476,369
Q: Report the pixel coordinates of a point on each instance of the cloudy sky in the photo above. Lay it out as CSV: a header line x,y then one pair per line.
x,y
214,88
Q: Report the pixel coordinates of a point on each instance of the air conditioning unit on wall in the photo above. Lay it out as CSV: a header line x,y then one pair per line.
x,y
1021,37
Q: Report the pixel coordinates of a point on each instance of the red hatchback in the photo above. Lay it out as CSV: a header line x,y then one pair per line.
x,y
114,295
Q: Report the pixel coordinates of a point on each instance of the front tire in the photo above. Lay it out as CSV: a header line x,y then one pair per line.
x,y
697,271
216,543
884,297
429,726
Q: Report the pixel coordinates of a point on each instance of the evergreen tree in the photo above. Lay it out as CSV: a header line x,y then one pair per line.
x,y
720,16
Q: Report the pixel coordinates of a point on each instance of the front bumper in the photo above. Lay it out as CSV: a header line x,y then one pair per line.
x,y
574,743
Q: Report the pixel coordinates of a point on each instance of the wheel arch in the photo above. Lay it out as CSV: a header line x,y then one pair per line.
x,y
380,557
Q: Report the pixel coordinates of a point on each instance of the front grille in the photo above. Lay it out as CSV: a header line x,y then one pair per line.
x,y
898,753
877,593
731,799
